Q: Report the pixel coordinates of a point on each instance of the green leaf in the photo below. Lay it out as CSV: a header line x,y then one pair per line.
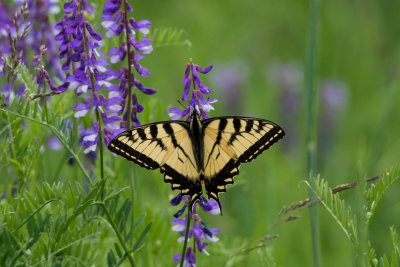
x,y
141,237
57,133
111,260
114,194
169,37
27,78
336,208
138,221
118,249
376,191
384,261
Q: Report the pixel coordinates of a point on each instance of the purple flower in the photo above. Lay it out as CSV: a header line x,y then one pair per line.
x,y
197,101
78,43
113,20
177,114
190,258
142,26
200,232
117,54
209,206
83,109
89,138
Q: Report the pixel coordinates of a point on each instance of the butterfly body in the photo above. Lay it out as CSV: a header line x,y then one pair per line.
x,y
200,151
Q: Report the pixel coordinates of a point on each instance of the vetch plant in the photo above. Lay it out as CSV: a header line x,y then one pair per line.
x,y
199,231
117,22
197,101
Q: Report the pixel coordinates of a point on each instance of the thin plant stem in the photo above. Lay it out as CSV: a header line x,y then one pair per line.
x,y
45,104
129,106
97,117
129,74
132,180
121,240
311,104
187,231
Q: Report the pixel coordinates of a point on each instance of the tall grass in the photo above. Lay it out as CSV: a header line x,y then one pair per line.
x,y
311,110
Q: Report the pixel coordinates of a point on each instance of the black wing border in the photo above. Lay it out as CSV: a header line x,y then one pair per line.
x,y
231,169
139,158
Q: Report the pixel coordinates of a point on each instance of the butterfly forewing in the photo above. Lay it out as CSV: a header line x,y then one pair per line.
x,y
164,145
223,142
228,141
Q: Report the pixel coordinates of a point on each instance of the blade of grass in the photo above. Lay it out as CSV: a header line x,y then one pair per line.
x,y
311,129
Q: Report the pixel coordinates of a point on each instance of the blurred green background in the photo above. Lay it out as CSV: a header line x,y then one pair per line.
x,y
258,52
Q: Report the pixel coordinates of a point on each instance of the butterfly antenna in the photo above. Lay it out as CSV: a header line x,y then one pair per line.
x,y
181,103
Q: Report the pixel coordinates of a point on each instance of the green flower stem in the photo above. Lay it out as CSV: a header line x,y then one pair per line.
x,y
130,85
129,106
114,226
16,172
46,114
187,231
311,94
97,118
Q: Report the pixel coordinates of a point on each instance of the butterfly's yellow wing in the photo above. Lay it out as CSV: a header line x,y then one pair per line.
x,y
229,141
164,145
222,144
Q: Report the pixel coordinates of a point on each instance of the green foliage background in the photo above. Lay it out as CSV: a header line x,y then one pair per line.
x,y
359,44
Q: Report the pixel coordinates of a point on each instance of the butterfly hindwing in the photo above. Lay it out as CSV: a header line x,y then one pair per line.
x,y
229,141
164,145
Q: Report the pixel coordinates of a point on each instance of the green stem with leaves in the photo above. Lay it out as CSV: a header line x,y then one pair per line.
x,y
60,137
121,240
187,231
311,136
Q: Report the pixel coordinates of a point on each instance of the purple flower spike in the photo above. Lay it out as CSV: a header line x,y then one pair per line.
x,y
199,231
197,101
115,23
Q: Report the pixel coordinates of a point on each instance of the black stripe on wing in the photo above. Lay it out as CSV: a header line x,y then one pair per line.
x,y
270,138
121,148
219,183
160,133
240,127
180,182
